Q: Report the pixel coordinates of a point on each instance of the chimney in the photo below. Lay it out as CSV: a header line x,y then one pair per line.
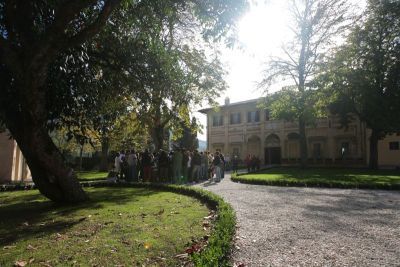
x,y
227,101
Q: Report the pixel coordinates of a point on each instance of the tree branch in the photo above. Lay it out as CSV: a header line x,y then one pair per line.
x,y
92,29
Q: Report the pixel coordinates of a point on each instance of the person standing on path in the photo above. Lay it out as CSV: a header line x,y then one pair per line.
x,y
217,166
129,161
117,165
163,166
146,164
177,165
196,163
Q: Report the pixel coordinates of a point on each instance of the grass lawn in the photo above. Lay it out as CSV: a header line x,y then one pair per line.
x,y
92,175
351,178
117,227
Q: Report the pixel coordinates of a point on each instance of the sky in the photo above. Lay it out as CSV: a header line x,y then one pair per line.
x,y
261,33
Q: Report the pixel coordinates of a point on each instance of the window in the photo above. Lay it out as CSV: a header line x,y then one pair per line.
x,y
394,146
266,115
317,150
253,116
235,118
218,120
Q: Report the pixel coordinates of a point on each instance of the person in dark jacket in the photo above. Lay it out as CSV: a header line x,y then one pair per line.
x,y
196,163
163,164
146,165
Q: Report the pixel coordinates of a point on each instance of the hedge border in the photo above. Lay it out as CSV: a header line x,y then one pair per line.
x,y
218,249
237,179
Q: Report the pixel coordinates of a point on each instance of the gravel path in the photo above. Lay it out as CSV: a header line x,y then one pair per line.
x,y
289,226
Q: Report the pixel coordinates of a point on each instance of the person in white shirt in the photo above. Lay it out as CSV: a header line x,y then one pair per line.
x,y
117,165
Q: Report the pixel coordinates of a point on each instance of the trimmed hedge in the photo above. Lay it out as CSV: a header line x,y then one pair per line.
x,y
324,184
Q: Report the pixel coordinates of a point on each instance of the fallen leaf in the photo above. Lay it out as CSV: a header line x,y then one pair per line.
x,y
8,247
45,264
182,256
31,260
147,245
30,247
20,263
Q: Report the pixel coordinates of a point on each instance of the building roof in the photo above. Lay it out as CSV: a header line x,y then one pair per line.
x,y
205,110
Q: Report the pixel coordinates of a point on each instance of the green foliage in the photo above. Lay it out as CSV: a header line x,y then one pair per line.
x,y
331,178
188,137
363,76
152,52
315,23
288,103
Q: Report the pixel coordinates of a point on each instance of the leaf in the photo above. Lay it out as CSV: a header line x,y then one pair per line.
x,y
46,264
147,245
30,247
182,256
8,247
20,263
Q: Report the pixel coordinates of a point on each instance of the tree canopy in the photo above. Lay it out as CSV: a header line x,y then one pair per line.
x,y
362,77
55,67
315,24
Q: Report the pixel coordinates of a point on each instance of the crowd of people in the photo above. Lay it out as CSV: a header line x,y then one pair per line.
x,y
252,163
179,166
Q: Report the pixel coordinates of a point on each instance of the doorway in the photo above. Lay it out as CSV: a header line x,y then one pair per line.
x,y
272,155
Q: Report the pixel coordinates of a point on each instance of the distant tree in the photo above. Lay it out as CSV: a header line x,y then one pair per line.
x,y
179,74
316,24
187,138
363,76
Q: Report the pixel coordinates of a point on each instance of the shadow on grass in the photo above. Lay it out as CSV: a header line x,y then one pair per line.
x,y
23,214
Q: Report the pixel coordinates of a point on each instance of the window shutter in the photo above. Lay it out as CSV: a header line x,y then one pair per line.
x,y
249,116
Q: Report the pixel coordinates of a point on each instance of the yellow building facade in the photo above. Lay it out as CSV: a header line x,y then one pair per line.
x,y
244,129
13,167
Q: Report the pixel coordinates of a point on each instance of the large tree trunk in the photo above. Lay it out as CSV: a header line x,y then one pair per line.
x,y
158,137
303,142
373,150
104,154
51,175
